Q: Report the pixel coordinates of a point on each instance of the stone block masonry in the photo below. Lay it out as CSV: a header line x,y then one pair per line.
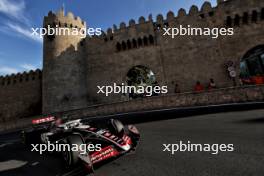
x,y
74,66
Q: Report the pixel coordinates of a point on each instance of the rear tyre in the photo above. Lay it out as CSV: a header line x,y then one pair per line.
x,y
31,137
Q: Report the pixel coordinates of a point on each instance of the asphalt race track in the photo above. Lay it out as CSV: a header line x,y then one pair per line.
x,y
243,129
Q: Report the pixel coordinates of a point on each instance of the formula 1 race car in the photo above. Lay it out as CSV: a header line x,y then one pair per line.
x,y
109,140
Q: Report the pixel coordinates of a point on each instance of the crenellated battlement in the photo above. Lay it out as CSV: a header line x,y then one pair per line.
x,y
221,15
245,18
160,21
19,78
207,16
61,20
206,10
147,27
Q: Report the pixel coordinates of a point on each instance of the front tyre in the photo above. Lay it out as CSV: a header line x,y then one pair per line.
x,y
117,127
71,157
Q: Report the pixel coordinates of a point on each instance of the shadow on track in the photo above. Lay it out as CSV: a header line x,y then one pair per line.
x,y
18,160
258,120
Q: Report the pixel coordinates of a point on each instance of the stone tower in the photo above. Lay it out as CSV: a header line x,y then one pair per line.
x,y
62,63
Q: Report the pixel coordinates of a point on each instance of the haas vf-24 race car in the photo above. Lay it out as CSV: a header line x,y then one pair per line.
x,y
113,138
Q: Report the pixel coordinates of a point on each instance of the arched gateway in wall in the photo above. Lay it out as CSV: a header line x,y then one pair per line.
x,y
252,66
140,76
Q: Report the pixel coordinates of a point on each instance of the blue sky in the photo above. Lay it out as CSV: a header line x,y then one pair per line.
x,y
20,51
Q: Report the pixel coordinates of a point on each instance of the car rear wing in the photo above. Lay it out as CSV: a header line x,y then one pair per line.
x,y
43,120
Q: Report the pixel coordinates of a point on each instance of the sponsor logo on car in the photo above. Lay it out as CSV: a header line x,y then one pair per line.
x,y
43,120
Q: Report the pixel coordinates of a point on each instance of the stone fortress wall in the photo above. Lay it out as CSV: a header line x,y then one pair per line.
x,y
63,71
20,95
75,73
74,66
